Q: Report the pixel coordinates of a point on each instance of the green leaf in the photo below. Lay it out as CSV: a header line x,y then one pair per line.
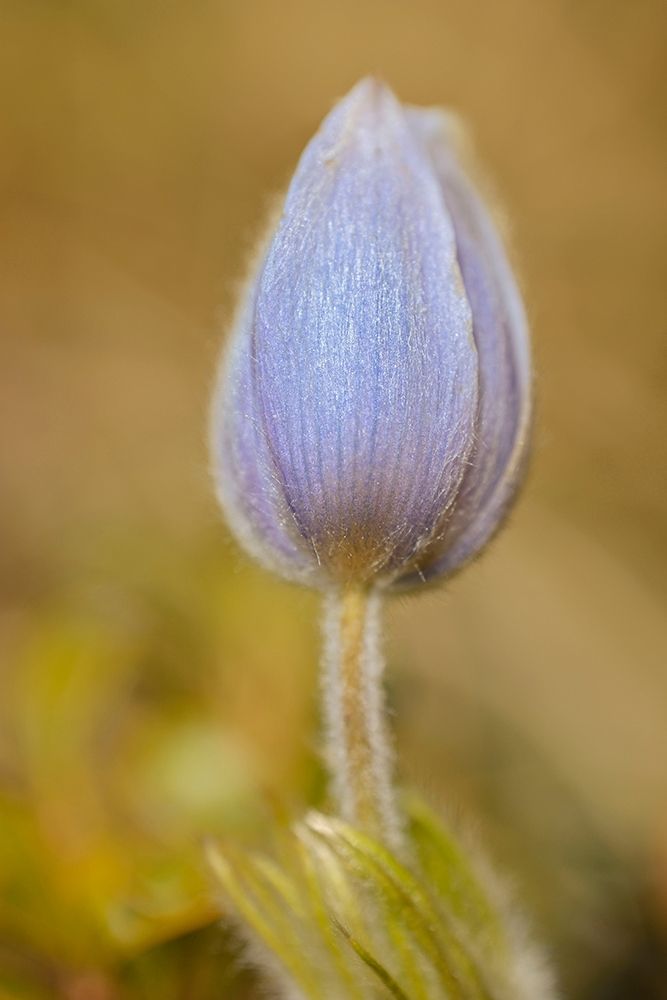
x,y
345,919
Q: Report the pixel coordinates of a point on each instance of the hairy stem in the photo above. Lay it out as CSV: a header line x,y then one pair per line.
x,y
358,752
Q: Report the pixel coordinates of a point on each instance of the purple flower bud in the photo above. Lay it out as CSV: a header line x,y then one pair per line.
x,y
371,419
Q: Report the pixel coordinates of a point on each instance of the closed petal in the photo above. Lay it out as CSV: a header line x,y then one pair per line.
x,y
364,365
247,481
501,336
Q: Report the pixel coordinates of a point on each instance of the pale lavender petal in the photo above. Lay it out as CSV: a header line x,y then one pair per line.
x,y
248,483
365,367
501,336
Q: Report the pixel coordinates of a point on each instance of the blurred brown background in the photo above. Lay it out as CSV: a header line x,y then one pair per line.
x,y
154,686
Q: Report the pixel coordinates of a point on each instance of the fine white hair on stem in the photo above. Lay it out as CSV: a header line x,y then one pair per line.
x,y
358,752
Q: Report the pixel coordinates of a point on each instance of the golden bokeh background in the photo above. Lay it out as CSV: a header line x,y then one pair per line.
x,y
155,687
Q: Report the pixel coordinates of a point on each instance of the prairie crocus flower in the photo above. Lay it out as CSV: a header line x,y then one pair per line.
x,y
371,419
369,433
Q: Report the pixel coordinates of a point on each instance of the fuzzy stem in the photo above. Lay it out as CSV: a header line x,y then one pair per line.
x,y
358,752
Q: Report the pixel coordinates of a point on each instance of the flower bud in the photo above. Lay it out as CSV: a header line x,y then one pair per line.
x,y
371,417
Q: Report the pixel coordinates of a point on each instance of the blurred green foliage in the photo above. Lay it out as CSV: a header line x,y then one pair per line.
x,y
130,738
